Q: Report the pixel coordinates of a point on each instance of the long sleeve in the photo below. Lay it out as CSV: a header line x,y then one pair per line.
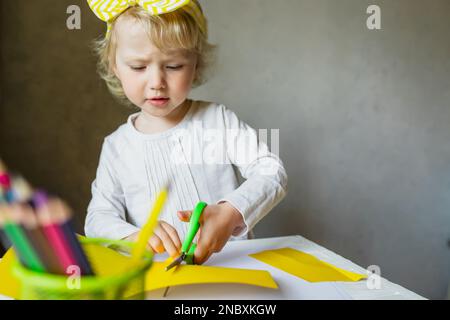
x,y
106,216
266,179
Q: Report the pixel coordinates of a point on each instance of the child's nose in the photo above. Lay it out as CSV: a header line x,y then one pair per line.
x,y
156,81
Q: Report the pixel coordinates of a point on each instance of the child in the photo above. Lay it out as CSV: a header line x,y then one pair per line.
x,y
151,57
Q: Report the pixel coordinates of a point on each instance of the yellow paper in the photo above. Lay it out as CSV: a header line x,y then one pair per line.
x,y
157,277
195,274
9,285
305,266
106,262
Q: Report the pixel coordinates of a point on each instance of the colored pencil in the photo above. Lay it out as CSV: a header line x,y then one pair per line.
x,y
16,234
38,240
147,229
17,189
62,218
40,230
5,183
54,234
21,189
5,243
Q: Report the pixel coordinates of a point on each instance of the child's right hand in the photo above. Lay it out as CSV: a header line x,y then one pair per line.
x,y
165,238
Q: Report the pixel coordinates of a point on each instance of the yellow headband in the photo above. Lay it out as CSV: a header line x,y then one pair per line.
x,y
108,10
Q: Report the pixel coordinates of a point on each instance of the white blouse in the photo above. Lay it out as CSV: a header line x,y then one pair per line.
x,y
198,158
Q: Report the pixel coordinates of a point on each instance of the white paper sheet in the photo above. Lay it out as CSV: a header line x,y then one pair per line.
x,y
235,255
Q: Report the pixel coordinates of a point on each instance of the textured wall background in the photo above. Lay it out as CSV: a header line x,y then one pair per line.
x,y
364,117
55,111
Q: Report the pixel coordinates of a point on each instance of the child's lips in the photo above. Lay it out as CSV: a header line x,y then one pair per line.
x,y
158,101
158,98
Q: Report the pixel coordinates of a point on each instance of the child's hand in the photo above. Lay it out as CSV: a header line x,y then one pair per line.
x,y
165,238
217,224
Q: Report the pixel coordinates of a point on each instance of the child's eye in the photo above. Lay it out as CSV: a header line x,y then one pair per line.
x,y
175,67
137,68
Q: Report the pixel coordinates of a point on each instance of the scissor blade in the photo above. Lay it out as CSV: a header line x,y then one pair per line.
x,y
176,262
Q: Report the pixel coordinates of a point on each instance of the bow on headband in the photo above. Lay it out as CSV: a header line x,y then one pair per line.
x,y
108,10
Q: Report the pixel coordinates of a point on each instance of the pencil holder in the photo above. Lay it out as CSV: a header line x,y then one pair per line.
x,y
45,286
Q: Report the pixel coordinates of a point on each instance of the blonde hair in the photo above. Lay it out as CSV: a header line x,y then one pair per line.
x,y
174,30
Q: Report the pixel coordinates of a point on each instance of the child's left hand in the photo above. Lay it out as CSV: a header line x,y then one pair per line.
x,y
217,223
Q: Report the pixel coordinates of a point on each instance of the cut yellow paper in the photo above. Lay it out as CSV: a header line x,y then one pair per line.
x,y
305,266
158,278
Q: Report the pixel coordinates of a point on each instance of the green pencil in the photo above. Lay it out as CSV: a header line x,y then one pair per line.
x,y
17,236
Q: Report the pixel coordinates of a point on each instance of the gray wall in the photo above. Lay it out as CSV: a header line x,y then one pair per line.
x,y
364,117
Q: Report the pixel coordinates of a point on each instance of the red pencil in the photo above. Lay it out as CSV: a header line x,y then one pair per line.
x,y
47,216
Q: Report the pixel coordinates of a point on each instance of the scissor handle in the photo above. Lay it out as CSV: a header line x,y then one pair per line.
x,y
190,255
194,225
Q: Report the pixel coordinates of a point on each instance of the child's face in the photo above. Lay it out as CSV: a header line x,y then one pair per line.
x,y
147,73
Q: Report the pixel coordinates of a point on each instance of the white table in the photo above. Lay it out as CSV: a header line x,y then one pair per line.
x,y
235,254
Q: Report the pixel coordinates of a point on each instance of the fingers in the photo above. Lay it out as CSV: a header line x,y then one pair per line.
x,y
185,215
173,234
208,240
203,251
201,254
156,244
172,246
207,245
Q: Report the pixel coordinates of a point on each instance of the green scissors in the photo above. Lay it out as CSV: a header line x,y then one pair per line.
x,y
188,248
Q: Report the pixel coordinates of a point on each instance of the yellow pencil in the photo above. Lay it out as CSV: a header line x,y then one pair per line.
x,y
147,229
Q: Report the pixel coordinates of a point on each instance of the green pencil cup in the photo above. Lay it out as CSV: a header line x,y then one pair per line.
x,y
45,286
